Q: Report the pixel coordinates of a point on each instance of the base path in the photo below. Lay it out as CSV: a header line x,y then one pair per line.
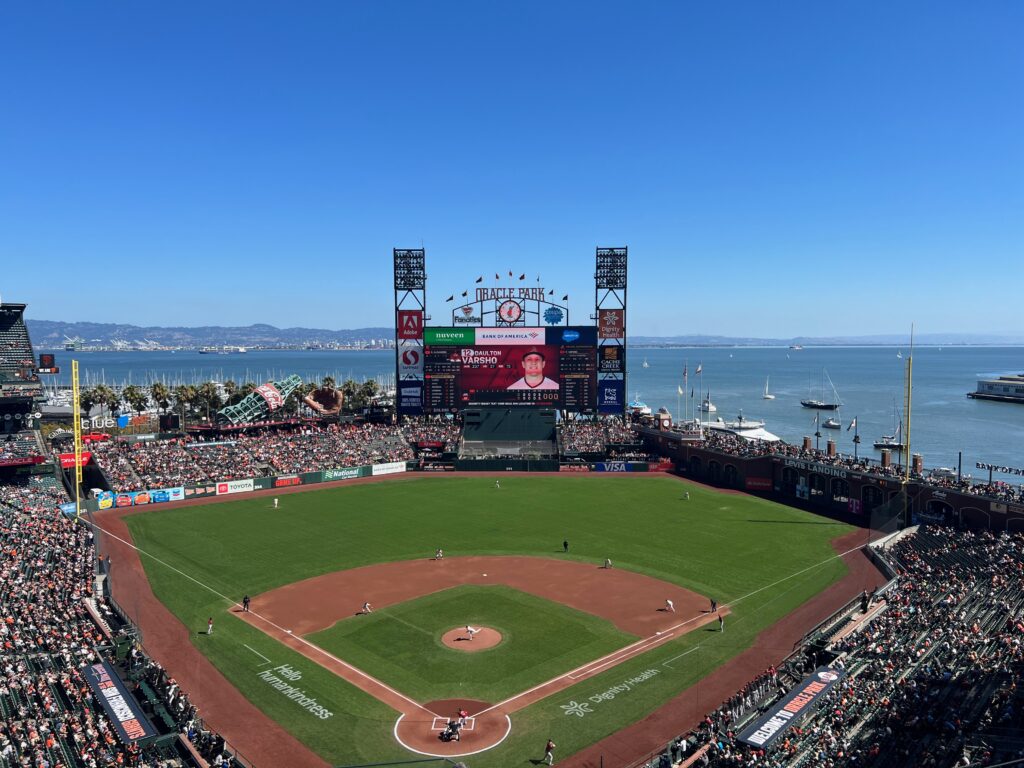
x,y
631,601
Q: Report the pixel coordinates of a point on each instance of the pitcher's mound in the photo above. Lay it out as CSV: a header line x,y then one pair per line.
x,y
460,639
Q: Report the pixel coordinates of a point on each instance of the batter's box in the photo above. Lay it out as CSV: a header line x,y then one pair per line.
x,y
440,723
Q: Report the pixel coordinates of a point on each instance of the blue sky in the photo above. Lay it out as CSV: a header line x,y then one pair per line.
x,y
776,169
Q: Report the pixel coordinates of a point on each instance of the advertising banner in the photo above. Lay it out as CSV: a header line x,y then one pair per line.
x,y
69,509
611,396
410,397
611,466
454,337
348,473
271,395
854,506
24,461
759,483
388,468
138,498
235,486
792,708
410,323
104,499
118,704
199,491
67,460
611,359
576,335
410,360
511,336
286,481
611,323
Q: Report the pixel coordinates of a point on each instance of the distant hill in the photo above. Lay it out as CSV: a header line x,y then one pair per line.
x,y
51,334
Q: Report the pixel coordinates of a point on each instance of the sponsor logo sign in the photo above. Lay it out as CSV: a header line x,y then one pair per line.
x,y
453,337
796,705
410,397
510,336
611,466
611,359
854,506
466,316
105,499
572,336
122,710
410,323
349,473
819,469
67,460
20,461
284,482
611,396
410,361
553,315
611,323
999,468
388,468
234,486
69,509
759,483
271,395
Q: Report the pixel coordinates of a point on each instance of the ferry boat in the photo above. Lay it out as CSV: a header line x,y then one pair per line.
x,y
1003,389
225,350
638,407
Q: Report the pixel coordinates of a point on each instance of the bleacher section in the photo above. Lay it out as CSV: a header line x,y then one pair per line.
x,y
15,347
933,675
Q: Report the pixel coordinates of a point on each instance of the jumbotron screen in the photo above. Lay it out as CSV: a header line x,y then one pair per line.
x,y
552,367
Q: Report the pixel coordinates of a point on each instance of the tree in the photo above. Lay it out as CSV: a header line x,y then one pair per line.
x,y
87,400
351,391
368,391
328,382
208,396
184,396
106,397
230,391
136,398
161,395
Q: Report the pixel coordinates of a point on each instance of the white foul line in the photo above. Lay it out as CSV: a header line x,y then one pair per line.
x,y
265,659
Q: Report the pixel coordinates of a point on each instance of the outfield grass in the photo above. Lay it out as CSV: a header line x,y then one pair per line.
x,y
401,645
722,545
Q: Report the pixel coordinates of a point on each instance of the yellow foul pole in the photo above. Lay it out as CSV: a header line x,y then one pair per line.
x,y
76,417
906,406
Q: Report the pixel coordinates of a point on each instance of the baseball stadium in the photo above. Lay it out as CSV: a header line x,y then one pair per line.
x,y
501,563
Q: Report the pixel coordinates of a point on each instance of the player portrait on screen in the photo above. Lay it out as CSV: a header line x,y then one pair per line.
x,y
533,372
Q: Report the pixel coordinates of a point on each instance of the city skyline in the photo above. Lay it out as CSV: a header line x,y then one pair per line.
x,y
775,172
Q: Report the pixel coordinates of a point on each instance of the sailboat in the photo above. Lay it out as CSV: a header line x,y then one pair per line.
x,y
899,354
832,422
766,395
646,364
895,440
821,405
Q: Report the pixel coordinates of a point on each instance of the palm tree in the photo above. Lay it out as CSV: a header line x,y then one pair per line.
x,y
328,382
87,400
230,390
136,398
350,390
106,397
184,396
161,395
208,395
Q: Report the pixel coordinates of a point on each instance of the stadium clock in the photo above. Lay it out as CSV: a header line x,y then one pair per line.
x,y
510,311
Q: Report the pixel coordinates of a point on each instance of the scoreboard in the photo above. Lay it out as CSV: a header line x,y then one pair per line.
x,y
551,367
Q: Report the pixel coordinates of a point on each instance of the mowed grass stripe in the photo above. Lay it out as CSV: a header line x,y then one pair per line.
x,y
721,545
400,645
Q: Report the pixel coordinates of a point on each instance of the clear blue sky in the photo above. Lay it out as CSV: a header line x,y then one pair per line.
x,y
776,168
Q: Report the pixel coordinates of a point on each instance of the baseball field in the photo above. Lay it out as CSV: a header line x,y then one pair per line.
x,y
582,650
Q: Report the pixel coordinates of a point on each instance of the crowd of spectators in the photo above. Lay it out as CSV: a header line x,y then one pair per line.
x,y
594,436
17,445
48,714
734,445
133,466
933,671
425,429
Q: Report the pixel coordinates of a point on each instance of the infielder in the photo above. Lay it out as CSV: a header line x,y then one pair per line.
x,y
367,608
670,606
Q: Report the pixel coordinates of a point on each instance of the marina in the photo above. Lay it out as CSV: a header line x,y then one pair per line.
x,y
945,422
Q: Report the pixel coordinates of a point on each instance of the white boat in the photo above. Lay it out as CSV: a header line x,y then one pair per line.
x,y
748,429
831,423
894,441
646,364
638,407
706,406
766,395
